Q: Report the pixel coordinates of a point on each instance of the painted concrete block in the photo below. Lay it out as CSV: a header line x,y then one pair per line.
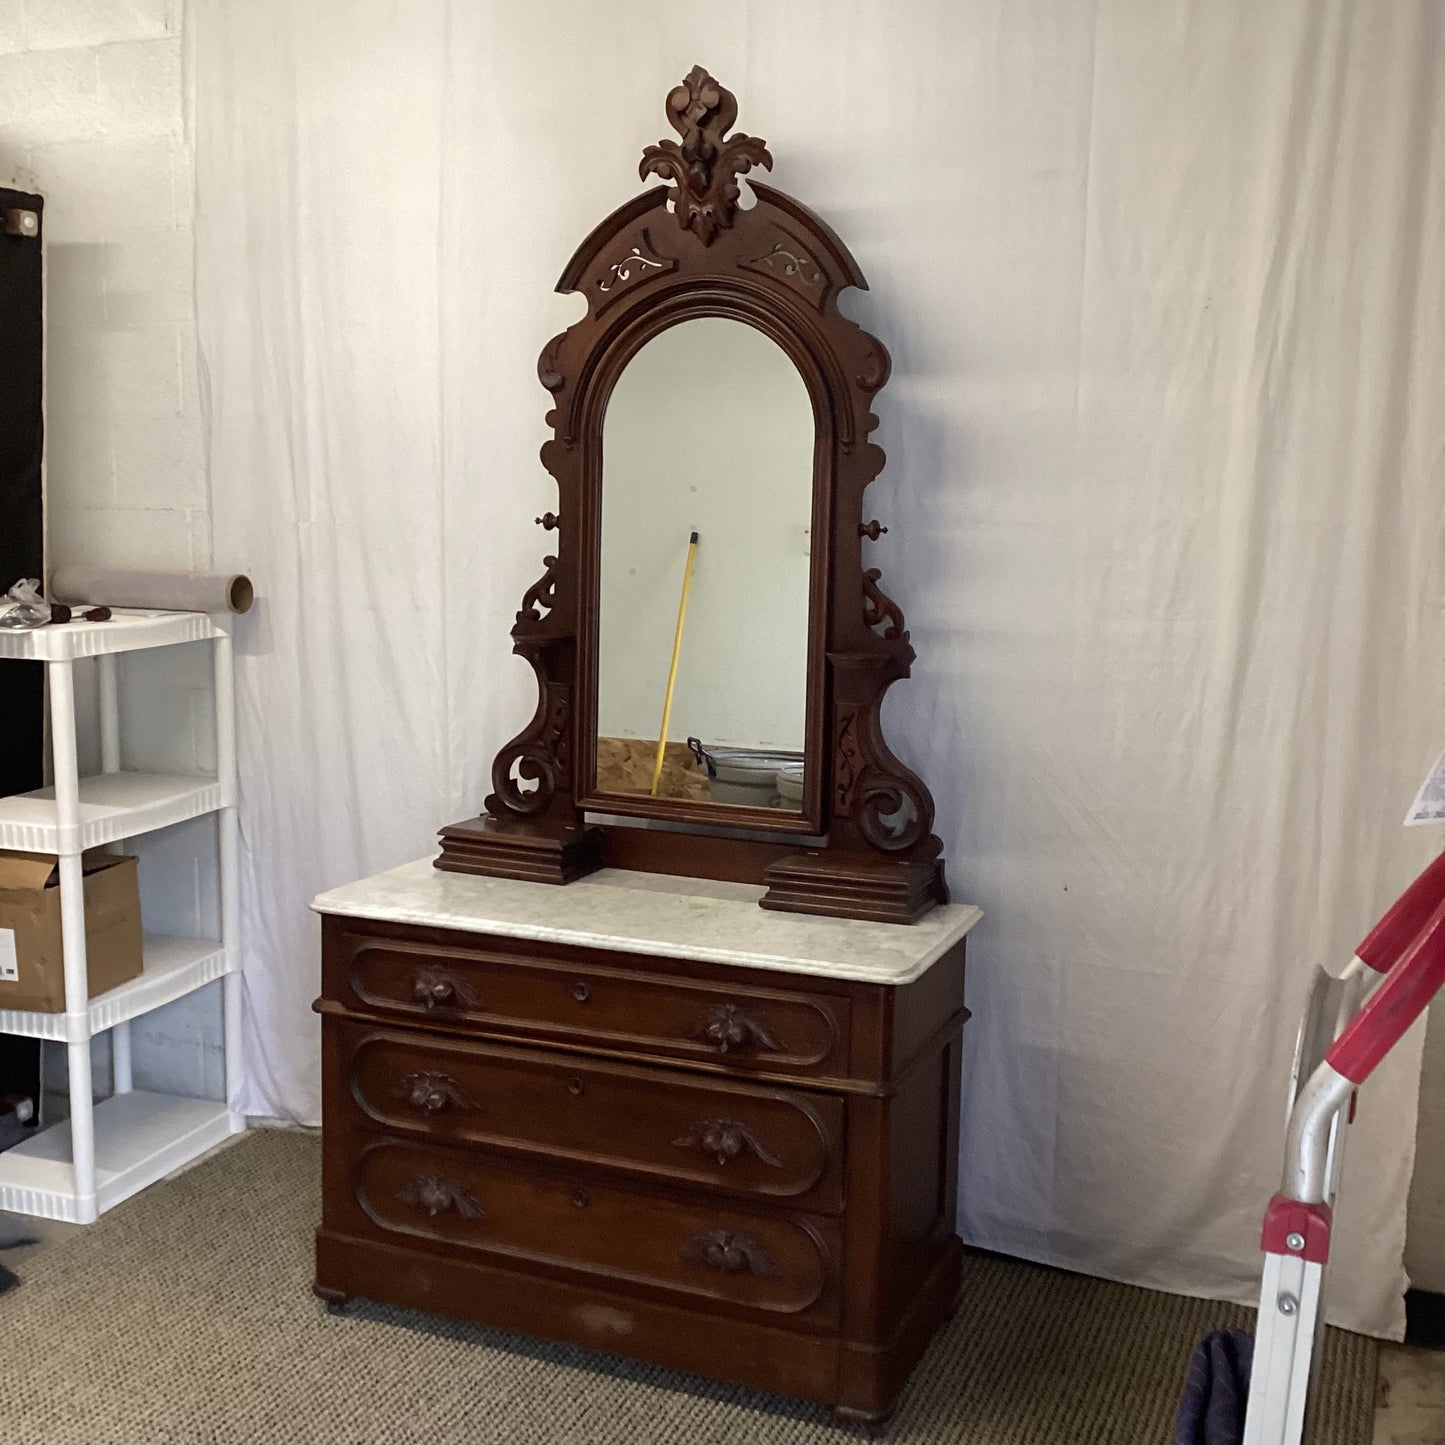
x,y
138,88
159,461
70,24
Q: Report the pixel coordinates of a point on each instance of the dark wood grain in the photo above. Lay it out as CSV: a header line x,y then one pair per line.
x,y
862,844
523,1161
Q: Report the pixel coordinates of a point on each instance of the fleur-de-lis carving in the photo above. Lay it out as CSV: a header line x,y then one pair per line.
x,y
730,1030
437,1195
725,1139
707,162
730,1253
431,1092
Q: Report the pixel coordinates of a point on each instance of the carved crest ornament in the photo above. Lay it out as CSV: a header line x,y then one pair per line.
x,y
864,843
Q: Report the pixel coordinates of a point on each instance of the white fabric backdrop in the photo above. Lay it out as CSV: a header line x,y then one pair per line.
x,y
1163,287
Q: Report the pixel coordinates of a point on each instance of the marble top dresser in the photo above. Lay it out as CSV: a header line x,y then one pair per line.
x,y
643,1114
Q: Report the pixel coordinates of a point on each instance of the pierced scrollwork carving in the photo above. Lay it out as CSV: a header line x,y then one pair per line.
x,y
792,263
725,1139
528,770
632,267
541,597
880,610
430,1091
705,165
887,802
439,1196
894,811
729,1030
730,1253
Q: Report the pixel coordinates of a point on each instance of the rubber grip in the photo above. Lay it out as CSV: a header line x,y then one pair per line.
x,y
1404,919
1395,1005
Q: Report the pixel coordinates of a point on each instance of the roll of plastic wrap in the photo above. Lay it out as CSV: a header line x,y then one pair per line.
x,y
167,591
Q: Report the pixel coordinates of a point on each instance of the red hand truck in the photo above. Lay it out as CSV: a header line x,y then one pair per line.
x,y
1397,970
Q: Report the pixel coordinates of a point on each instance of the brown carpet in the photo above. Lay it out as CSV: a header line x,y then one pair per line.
x,y
186,1316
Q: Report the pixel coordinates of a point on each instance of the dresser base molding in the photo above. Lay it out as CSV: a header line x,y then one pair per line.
x,y
858,1382
494,849
880,890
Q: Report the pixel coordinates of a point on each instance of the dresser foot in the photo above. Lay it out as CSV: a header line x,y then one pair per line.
x,y
335,1300
872,1423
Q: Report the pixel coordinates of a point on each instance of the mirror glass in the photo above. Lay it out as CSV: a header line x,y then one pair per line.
x,y
709,433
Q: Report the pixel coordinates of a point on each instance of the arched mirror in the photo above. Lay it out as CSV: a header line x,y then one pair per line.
x,y
711,640
707,503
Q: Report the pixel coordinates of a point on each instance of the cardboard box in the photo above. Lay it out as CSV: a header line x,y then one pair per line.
x,y
32,970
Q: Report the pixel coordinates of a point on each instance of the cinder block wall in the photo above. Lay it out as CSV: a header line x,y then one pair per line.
x,y
94,114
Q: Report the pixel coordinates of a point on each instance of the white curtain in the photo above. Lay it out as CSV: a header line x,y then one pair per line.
x,y
1163,287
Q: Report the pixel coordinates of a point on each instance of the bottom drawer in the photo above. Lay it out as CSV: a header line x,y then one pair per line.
x,y
771,1261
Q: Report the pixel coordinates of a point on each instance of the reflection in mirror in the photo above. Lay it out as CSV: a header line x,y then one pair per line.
x,y
709,430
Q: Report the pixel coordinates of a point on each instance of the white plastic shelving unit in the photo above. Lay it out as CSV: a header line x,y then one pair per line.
x,y
106,1152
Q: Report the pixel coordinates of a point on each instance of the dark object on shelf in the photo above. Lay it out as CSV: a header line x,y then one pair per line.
x,y
861,844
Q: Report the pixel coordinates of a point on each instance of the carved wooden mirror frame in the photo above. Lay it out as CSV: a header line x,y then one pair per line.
x,y
863,845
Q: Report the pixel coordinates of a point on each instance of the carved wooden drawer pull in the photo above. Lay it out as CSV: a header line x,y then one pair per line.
x,y
730,1253
437,1196
725,1139
435,989
730,1030
431,1092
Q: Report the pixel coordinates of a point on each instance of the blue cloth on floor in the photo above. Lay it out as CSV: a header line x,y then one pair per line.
x,y
7,1280
1212,1409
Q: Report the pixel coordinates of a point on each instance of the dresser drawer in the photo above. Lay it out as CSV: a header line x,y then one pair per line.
x,y
776,1263
662,1124
584,1003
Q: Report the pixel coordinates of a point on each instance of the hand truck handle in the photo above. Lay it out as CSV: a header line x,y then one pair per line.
x,y
1414,980
1403,920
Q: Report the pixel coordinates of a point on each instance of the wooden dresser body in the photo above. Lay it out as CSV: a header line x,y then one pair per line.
x,y
746,1173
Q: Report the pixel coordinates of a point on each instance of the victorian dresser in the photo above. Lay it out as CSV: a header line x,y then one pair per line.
x,y
642,1114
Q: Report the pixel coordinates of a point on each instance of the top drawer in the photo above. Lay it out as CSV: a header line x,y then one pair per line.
x,y
585,1003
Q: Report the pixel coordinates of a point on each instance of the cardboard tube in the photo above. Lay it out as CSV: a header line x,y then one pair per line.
x,y
166,591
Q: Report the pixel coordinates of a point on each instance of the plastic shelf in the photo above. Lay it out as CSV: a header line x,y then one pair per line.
x,y
128,630
139,1138
112,806
174,967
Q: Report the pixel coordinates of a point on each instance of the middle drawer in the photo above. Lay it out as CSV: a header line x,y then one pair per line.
x,y
665,1124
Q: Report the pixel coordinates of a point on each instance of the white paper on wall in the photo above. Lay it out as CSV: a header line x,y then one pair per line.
x,y
1429,804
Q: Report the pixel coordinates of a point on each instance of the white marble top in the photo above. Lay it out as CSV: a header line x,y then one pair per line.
x,y
656,914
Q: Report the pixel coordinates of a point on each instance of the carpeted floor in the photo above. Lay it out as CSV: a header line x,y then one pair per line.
x,y
187,1316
